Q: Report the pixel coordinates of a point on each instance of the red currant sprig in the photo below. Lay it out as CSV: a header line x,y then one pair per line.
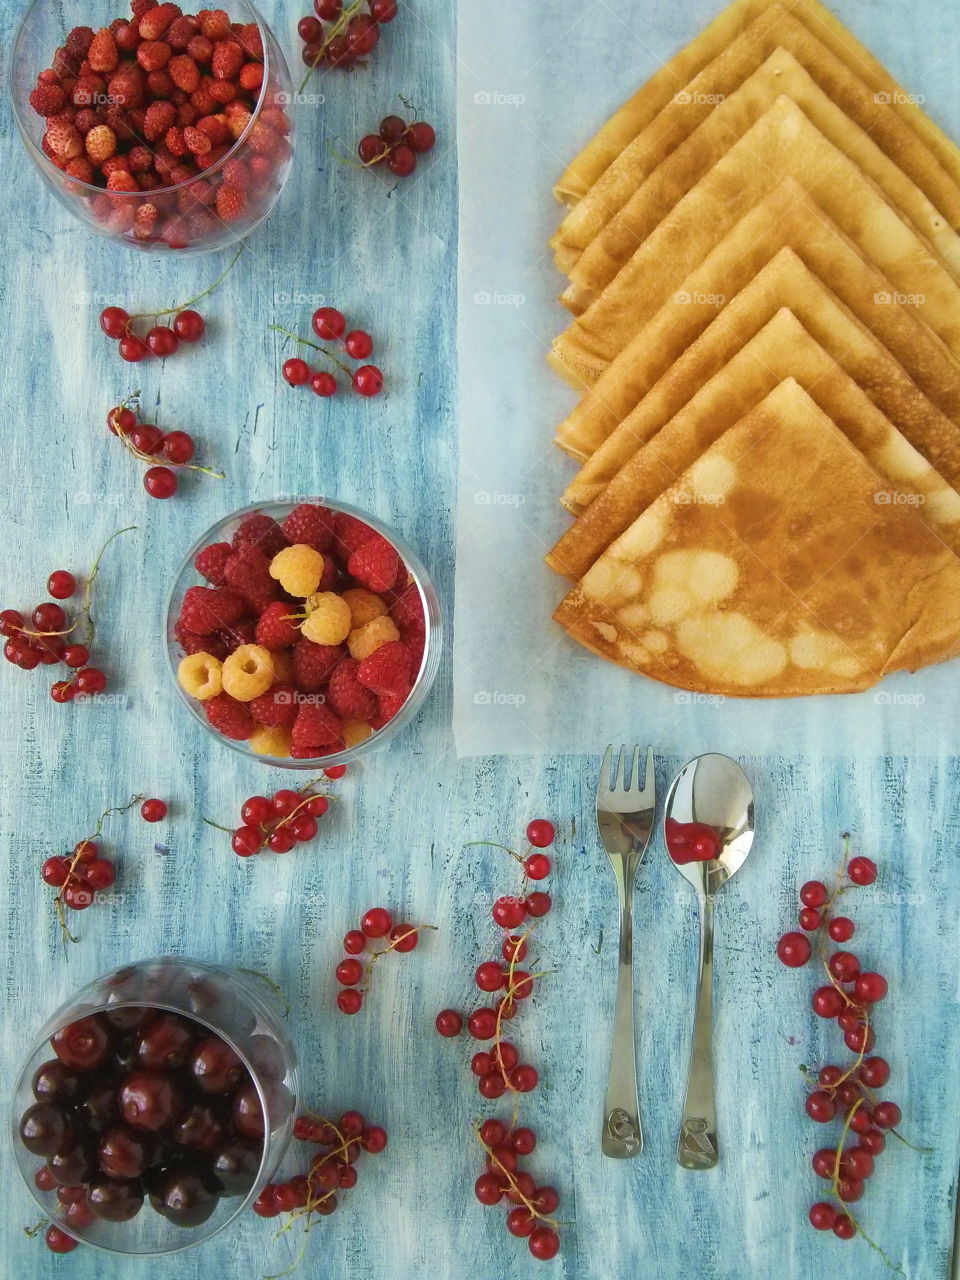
x,y
331,325
159,449
45,641
503,1179
277,823
397,144
354,32
354,978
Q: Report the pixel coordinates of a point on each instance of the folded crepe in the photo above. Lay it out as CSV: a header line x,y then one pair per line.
x,y
775,32
639,111
781,349
770,569
784,282
786,231
783,143
780,75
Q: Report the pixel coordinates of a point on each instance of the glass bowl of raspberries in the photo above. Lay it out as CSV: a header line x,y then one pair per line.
x,y
155,1105
156,127
304,633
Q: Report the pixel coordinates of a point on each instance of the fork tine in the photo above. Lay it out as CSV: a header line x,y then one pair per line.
x,y
649,782
635,771
604,781
623,777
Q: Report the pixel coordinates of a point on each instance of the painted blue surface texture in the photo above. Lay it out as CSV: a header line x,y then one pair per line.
x,y
387,255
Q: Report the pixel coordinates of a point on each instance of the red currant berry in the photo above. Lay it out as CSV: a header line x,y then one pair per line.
x,y
363,34
296,371
841,929
354,942
78,897
862,870
49,617
824,1162
525,1078
860,1039
62,691
827,1002
61,584
404,938
162,341
335,772
392,129
848,1093
481,1064
374,1140
281,839
55,871
809,919
851,1017
317,806
76,655
538,904
114,321
376,923
177,447
844,966
309,30
874,1072
11,622
153,810
246,842
872,1141
402,160
520,1221
861,1121
91,680
814,894
507,1007
85,851
822,1216
329,10
489,976
160,482
58,1241
420,136
323,384
541,833
329,323
349,1000
509,913
820,1106
256,810
487,1189
358,344
482,1024
189,326
449,1023
537,866
121,420
285,801
383,10
524,1141
368,380
522,985
545,1200
372,149
492,1086
349,972
514,948
887,1115
133,349
146,438
850,1189
544,1244
44,1179
303,828
100,874
870,987
830,1077
844,1228
312,54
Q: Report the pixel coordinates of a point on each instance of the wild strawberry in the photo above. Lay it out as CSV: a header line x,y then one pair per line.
x,y
229,717
49,76
211,562
250,40
238,119
276,627
223,91
175,141
251,77
139,7
315,726
80,168
182,172
64,64
200,49
236,173
101,143
153,55
374,563
217,128
208,609
203,100
140,160
346,696
263,140
231,202
262,170
187,114
64,140
121,180
86,120
180,32
159,118
227,60
197,140
184,72
313,663
149,182
79,41
276,707
126,88
113,164
276,118
214,23
156,20
387,669
87,90
126,36
202,222
159,85
145,221
48,99
102,54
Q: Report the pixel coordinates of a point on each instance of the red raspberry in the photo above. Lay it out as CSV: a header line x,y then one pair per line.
x,y
102,54
156,20
211,562
262,530
190,642
276,629
159,118
238,633
311,524
388,704
351,534
229,717
277,707
248,571
207,609
387,669
184,72
346,695
374,564
227,60
407,609
315,726
313,663
231,203
48,99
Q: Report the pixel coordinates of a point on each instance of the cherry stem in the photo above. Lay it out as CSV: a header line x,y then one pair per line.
x,y
338,27
493,844
307,342
183,306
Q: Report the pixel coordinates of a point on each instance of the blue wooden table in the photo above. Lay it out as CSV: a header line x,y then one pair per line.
x,y
385,253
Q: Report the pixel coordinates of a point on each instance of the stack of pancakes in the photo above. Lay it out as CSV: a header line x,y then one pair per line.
x,y
764,268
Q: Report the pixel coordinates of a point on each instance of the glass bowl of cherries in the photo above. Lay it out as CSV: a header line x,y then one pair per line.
x,y
157,1103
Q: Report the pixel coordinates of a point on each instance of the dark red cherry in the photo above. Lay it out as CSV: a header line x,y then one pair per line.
x,y
235,1167
200,1128
247,1113
99,1107
45,1128
214,1066
129,1017
124,1153
149,1100
165,1043
82,1045
114,1200
72,1164
52,1081
184,1196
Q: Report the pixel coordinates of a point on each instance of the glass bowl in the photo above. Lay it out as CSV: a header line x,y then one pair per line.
x,y
186,216
223,531
239,1008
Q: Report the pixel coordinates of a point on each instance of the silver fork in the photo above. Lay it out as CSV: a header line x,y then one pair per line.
x,y
625,810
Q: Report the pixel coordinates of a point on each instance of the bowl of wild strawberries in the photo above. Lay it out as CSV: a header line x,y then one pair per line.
x,y
156,1105
160,128
303,633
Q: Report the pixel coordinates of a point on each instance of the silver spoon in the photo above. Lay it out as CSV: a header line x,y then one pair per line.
x,y
708,828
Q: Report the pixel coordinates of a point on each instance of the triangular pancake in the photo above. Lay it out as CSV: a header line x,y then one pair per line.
x,y
769,570
673,76
780,75
786,219
783,143
841,336
781,349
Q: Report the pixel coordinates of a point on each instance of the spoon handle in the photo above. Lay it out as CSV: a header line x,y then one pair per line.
x,y
697,1147
622,1136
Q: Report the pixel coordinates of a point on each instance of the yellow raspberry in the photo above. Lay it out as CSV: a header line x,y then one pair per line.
x,y
248,672
200,675
328,622
364,606
269,740
355,732
367,639
282,666
297,569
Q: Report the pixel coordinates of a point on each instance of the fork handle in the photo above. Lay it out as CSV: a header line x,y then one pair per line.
x,y
622,1136
697,1147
